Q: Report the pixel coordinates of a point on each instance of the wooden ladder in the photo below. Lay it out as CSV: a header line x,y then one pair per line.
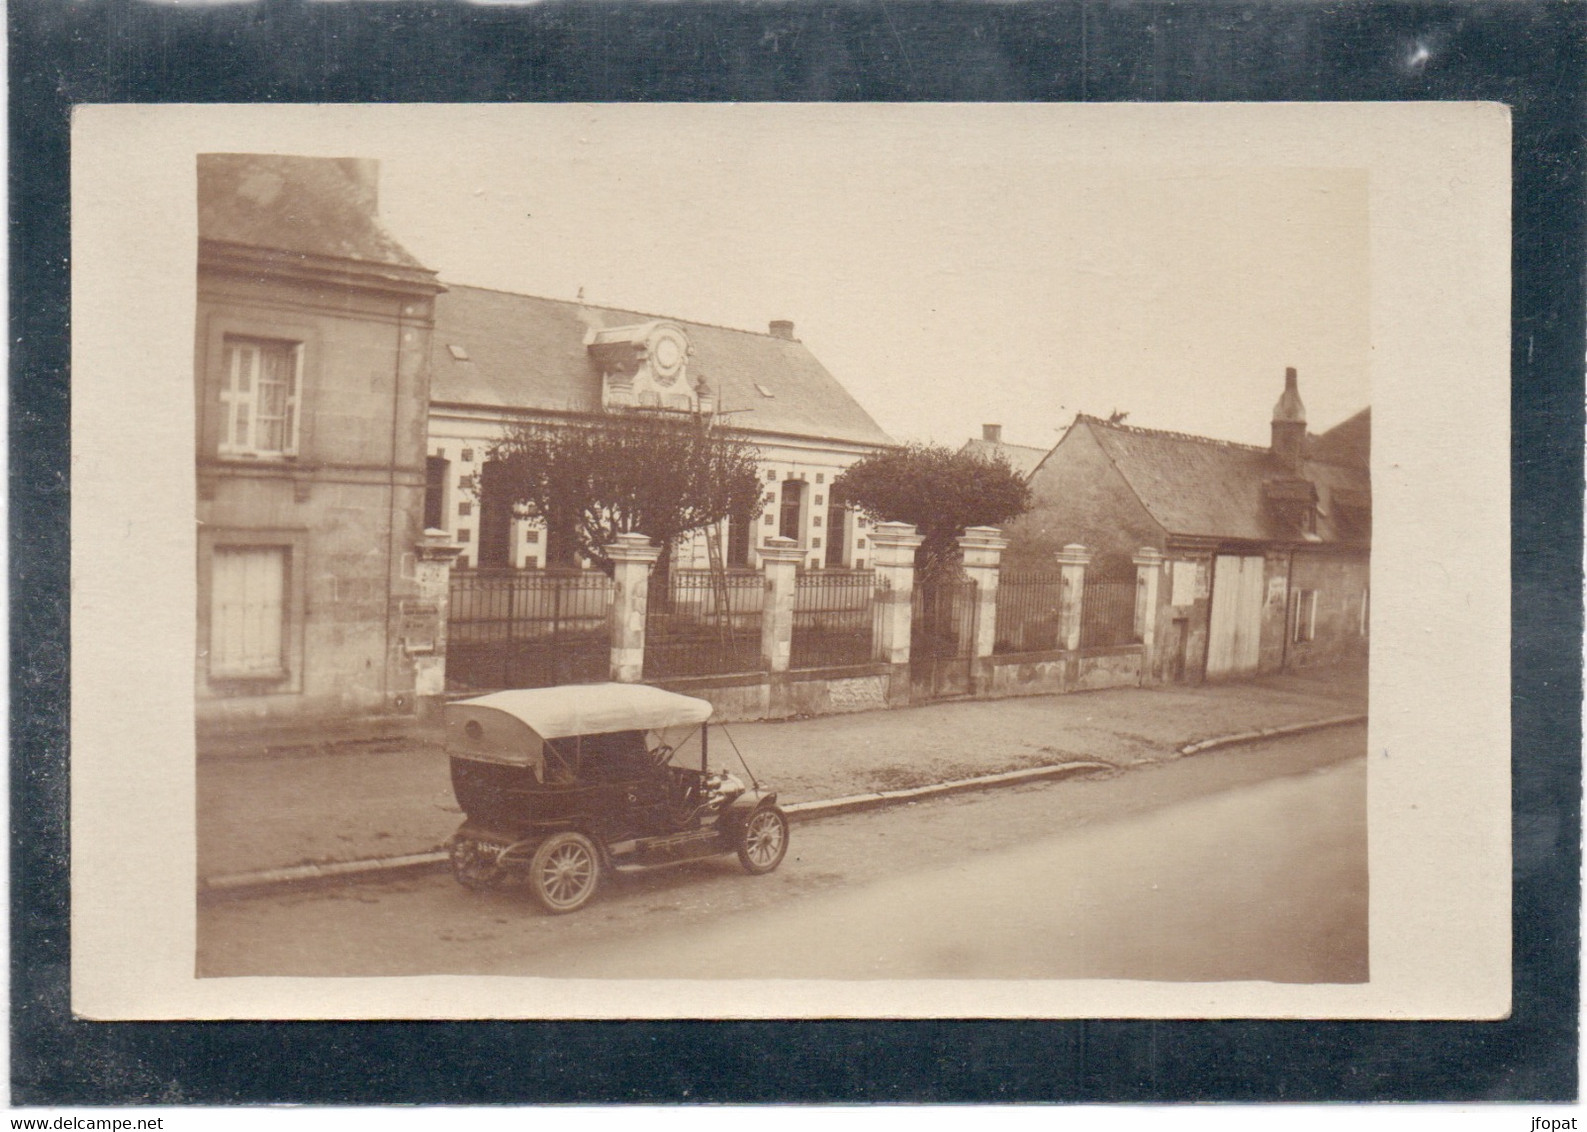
x,y
713,551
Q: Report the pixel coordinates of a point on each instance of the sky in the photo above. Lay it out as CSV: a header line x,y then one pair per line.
x,y
951,266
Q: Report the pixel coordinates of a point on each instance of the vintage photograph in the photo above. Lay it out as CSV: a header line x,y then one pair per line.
x,y
736,554
778,561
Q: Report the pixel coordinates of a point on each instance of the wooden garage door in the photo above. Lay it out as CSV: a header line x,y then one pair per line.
x,y
1234,637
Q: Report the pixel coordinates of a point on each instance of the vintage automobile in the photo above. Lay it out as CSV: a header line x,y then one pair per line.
x,y
560,784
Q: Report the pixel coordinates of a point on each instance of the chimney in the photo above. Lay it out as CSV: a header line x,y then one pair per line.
x,y
781,328
992,433
1289,426
364,173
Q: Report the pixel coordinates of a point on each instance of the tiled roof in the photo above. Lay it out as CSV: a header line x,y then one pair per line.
x,y
528,353
307,205
1198,487
1021,458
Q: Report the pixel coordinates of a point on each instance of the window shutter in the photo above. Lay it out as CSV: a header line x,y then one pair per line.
x,y
247,611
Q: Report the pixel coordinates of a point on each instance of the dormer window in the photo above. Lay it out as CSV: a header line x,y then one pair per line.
x,y
644,365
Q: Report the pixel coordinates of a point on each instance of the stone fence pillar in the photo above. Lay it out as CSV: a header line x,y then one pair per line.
x,y
780,558
1148,573
424,619
893,547
1072,562
632,558
982,549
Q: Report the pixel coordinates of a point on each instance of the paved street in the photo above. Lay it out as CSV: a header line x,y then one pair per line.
x,y
1244,863
261,812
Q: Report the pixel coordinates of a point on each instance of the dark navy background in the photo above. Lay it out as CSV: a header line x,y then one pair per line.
x,y
1526,54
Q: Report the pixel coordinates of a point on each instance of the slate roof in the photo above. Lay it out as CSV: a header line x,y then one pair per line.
x,y
1349,442
1198,487
310,206
1021,458
528,353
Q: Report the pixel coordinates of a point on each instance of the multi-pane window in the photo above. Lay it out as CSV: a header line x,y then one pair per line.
x,y
435,472
792,510
259,396
247,611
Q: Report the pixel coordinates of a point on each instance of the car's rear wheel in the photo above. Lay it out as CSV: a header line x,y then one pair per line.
x,y
564,872
764,841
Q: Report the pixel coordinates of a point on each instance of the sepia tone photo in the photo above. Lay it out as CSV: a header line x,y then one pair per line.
x,y
840,548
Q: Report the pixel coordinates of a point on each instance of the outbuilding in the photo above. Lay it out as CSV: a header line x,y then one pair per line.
x,y
1267,551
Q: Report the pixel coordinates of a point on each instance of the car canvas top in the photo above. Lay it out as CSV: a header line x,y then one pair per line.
x,y
556,713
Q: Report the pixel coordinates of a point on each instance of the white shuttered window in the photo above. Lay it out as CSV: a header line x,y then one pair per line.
x,y
259,394
247,611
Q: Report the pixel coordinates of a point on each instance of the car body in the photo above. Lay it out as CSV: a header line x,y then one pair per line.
x,y
559,785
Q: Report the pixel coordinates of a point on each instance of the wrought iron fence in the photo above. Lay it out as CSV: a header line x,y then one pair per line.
x,y
834,621
1027,611
1107,613
700,625
527,629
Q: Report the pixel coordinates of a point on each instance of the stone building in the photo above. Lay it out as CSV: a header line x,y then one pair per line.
x,y
312,375
1267,550
500,358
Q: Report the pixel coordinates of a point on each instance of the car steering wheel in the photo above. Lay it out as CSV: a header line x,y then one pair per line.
x,y
660,754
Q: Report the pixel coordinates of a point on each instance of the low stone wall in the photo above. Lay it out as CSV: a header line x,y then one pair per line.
x,y
1050,673
781,695
1024,674
1117,667
738,697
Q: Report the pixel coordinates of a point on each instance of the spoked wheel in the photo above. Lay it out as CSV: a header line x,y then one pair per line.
x,y
564,872
473,867
764,841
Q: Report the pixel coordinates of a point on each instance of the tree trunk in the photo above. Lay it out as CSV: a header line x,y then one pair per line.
x,y
561,541
660,593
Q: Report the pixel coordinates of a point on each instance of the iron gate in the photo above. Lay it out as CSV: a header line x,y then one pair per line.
x,y
527,629
942,638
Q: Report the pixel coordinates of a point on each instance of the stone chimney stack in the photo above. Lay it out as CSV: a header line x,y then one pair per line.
x,y
992,433
364,173
1289,426
781,328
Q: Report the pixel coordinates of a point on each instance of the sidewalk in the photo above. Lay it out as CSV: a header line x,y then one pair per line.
x,y
259,812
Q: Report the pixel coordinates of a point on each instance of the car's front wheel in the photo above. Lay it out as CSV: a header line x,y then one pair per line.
x,y
764,841
564,872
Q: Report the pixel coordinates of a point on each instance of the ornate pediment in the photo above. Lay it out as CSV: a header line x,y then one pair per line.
x,y
645,365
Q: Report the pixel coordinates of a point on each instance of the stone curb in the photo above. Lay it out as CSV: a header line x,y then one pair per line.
x,y
798,811
331,870
803,811
1269,733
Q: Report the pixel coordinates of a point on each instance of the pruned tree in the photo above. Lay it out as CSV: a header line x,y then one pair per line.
x,y
940,491
663,474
